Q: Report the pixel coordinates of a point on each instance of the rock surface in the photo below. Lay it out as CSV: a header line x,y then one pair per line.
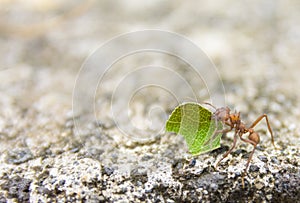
x,y
255,47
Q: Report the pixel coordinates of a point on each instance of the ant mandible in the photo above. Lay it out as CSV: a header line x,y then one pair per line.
x,y
234,122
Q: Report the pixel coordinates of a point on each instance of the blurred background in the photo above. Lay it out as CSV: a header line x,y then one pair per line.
x,y
253,44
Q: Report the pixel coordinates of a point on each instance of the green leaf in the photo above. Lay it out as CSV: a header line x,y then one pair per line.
x,y
194,123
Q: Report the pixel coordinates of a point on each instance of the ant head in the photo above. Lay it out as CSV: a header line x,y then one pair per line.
x,y
227,110
235,117
222,114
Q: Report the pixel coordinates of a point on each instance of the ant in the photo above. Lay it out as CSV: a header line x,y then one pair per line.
x,y
233,120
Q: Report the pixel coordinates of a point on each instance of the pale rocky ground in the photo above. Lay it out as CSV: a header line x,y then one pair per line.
x,y
255,47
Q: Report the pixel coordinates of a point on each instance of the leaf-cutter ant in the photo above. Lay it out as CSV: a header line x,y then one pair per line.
x,y
234,122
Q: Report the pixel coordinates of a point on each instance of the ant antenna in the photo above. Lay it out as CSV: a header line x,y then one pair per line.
x,y
209,104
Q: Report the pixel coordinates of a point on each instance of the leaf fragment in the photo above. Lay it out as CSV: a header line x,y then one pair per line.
x,y
194,123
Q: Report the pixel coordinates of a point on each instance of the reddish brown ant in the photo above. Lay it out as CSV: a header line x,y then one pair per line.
x,y
234,122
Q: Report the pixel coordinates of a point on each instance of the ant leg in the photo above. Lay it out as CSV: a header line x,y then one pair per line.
x,y
224,131
230,150
268,124
250,157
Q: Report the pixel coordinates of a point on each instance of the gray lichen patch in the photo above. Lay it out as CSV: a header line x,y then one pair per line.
x,y
18,156
17,188
65,177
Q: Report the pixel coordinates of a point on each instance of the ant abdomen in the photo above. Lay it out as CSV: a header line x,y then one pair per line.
x,y
254,137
